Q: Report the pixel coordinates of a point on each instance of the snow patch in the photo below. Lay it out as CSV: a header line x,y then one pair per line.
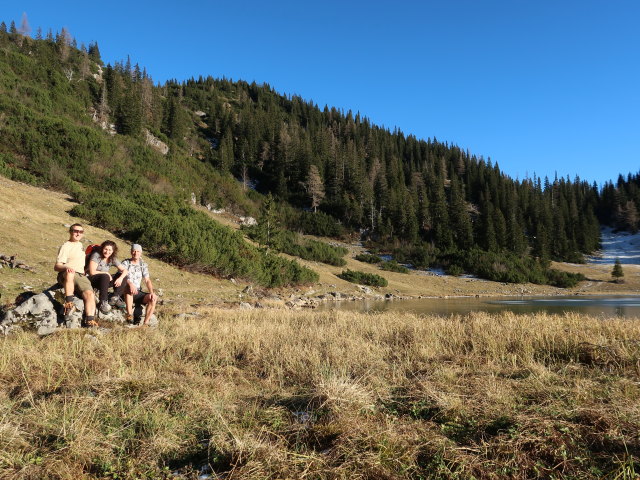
x,y
622,245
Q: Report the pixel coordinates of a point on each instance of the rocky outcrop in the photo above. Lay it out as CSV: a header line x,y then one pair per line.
x,y
155,142
43,313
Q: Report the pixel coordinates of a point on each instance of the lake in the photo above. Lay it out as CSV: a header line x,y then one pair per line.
x,y
605,306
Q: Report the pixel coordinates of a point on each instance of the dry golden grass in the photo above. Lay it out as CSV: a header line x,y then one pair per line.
x,y
274,394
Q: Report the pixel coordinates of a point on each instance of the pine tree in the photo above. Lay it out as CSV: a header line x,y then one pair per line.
x,y
315,187
617,272
94,53
268,231
3,27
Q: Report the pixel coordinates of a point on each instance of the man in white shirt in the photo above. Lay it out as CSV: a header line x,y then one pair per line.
x,y
70,267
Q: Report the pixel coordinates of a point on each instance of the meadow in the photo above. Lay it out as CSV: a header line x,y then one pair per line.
x,y
266,394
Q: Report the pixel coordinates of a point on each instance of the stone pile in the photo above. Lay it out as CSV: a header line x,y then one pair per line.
x,y
43,313
11,261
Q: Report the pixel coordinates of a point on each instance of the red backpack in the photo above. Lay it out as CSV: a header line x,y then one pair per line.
x,y
88,252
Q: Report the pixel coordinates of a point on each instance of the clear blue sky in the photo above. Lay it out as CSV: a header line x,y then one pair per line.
x,y
538,86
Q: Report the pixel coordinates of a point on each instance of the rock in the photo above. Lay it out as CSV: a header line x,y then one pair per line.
x,y
248,290
247,221
245,306
155,142
44,314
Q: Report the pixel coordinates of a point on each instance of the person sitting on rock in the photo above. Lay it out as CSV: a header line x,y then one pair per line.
x,y
100,261
70,268
138,270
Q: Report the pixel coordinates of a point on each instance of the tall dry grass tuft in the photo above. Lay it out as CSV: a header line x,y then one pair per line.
x,y
275,394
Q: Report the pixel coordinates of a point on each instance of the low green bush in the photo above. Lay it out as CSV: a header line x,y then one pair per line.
x,y
363,278
9,170
293,244
393,266
368,258
177,233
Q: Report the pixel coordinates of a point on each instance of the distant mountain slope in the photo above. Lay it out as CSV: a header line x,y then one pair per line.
x,y
426,201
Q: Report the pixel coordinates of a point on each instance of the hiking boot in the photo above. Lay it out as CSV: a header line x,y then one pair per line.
x,y
116,301
129,319
104,307
89,323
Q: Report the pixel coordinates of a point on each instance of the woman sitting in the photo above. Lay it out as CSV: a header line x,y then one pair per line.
x,y
100,262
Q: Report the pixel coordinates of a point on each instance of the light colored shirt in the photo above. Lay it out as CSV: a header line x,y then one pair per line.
x,y
137,271
71,254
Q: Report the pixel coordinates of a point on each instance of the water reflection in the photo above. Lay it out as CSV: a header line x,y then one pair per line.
x,y
609,306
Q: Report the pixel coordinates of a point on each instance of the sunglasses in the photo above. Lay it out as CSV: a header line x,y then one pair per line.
x,y
77,231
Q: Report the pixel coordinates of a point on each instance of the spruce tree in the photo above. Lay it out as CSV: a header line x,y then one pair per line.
x,y
617,272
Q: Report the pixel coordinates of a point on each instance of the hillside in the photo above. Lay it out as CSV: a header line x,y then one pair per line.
x,y
34,222
135,155
118,143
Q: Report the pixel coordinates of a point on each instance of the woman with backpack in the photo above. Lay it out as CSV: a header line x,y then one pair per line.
x,y
100,260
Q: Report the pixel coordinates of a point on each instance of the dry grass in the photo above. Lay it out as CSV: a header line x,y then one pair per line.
x,y
326,395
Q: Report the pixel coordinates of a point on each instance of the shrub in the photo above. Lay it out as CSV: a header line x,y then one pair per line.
x,y
179,234
363,278
318,223
293,244
393,266
368,258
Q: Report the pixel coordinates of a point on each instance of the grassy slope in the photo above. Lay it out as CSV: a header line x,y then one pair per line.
x,y
33,222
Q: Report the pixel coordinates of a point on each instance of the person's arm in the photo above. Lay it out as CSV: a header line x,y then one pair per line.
x,y
61,267
61,261
147,280
123,273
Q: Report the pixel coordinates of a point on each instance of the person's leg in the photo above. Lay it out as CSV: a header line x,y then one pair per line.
x,y
128,301
83,285
67,281
119,292
89,303
68,284
101,282
150,307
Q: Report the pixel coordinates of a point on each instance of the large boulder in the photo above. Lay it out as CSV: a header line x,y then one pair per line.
x,y
44,313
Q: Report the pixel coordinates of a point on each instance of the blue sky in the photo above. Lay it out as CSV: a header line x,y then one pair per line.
x,y
538,86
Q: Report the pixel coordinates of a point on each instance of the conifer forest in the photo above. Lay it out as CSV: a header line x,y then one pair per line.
x,y
75,124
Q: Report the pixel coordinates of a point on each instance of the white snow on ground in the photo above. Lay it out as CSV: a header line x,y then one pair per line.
x,y
622,245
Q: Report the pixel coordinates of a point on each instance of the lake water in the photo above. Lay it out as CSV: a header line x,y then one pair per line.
x,y
605,306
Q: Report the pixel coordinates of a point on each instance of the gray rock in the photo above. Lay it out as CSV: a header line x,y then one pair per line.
x,y
44,314
245,306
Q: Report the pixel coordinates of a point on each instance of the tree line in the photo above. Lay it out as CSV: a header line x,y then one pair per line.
x,y
231,142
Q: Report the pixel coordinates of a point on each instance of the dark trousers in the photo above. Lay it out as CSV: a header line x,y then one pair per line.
x,y
102,283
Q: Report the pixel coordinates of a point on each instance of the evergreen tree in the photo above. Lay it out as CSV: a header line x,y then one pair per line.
x,y
617,272
3,27
94,53
269,230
